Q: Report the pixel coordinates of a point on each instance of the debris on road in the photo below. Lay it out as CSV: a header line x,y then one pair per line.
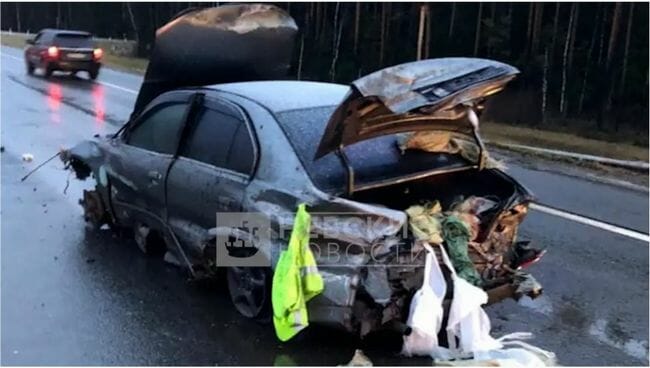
x,y
519,354
467,328
359,359
28,157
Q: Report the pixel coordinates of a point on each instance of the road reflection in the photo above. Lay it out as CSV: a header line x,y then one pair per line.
x,y
54,97
98,103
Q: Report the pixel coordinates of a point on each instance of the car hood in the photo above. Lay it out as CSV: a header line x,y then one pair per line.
x,y
424,95
228,43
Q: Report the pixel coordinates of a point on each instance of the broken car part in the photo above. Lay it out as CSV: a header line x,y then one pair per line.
x,y
229,43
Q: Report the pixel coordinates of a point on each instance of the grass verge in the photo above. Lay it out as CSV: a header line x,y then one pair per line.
x,y
503,133
128,64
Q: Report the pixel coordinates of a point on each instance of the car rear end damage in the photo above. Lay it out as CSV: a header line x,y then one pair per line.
x,y
415,102
369,282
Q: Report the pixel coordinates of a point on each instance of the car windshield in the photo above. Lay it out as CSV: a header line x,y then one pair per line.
x,y
373,160
73,40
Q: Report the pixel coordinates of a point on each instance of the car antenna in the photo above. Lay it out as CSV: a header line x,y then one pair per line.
x,y
39,166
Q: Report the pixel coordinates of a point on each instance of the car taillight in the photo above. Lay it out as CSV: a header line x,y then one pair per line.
x,y
53,52
98,53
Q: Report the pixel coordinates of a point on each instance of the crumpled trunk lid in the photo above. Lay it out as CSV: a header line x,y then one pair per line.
x,y
423,95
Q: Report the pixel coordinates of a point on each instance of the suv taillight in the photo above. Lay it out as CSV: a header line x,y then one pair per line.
x,y
98,53
53,52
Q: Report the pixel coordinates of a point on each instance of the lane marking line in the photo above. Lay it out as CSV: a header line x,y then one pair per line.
x,y
12,57
592,222
117,87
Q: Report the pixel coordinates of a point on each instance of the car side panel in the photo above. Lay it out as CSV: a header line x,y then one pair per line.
x,y
137,180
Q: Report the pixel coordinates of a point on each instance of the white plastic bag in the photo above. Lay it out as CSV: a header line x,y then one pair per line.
x,y
523,355
467,320
425,314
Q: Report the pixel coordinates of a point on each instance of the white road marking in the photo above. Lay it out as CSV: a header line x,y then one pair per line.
x,y
12,57
117,87
592,222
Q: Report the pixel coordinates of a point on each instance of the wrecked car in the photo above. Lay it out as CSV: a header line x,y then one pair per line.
x,y
212,134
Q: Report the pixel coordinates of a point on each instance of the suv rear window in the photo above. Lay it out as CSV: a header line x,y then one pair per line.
x,y
73,40
373,160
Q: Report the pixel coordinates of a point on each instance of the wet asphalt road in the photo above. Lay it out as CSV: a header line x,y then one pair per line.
x,y
75,296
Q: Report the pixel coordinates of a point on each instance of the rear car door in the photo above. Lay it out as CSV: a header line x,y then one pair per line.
x,y
215,164
33,52
138,169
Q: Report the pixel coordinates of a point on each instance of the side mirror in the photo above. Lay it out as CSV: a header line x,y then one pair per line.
x,y
29,41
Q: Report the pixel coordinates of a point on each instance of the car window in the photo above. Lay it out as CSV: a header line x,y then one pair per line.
x,y
159,129
373,160
220,139
37,39
242,153
73,40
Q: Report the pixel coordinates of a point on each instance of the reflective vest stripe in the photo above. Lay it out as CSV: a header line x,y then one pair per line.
x,y
297,319
308,270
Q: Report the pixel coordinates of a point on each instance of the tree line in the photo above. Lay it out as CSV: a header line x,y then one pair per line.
x,y
584,65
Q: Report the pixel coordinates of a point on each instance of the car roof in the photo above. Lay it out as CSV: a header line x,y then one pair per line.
x,y
65,32
279,96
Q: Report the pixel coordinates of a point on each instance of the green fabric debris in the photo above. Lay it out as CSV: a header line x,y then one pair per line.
x,y
456,236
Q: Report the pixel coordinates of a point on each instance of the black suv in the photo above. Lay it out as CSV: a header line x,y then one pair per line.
x,y
70,51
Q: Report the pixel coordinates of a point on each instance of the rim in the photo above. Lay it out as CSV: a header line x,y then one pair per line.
x,y
248,291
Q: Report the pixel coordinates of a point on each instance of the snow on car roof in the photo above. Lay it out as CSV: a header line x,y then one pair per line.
x,y
280,96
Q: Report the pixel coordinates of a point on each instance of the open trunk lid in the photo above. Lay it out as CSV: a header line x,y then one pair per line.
x,y
430,94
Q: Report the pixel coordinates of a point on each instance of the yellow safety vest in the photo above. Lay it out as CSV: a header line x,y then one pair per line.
x,y
295,281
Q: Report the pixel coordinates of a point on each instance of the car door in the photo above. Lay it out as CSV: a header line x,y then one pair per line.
x,y
146,149
33,51
215,163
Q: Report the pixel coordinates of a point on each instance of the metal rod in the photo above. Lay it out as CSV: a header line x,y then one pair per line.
x,y
473,119
39,166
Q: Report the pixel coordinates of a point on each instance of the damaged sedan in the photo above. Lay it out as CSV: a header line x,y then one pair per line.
x,y
214,134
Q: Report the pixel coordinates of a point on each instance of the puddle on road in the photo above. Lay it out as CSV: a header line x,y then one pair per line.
x,y
55,98
610,334
542,304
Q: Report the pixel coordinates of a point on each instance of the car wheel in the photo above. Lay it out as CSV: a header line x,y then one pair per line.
x,y
30,68
93,74
250,291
